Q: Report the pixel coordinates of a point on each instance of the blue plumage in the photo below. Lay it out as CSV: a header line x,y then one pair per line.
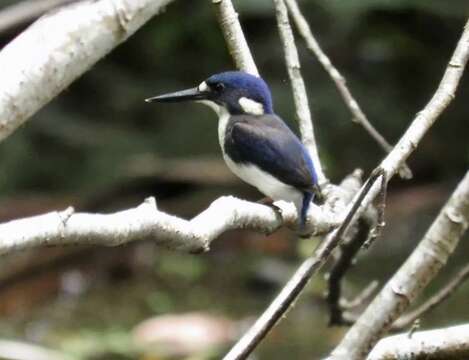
x,y
256,144
239,84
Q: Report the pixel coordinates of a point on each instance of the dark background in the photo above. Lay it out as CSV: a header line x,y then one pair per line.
x,y
100,147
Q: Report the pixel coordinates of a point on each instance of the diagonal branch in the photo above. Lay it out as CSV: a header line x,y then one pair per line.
x,y
414,275
339,81
146,222
234,36
409,141
300,96
58,48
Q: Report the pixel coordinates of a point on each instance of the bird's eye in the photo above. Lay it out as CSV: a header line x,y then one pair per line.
x,y
219,87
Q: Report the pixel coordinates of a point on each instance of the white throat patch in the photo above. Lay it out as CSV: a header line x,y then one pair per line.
x,y
251,107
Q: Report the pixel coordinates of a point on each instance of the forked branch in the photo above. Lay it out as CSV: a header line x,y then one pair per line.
x,y
339,80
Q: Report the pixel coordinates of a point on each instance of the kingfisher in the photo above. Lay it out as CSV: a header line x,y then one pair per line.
x,y
256,143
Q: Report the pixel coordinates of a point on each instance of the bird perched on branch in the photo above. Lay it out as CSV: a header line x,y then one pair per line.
x,y
256,144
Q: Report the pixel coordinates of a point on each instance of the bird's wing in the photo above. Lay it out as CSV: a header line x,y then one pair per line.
x,y
268,143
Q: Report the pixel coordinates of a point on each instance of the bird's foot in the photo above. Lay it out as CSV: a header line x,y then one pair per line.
x,y
318,194
270,202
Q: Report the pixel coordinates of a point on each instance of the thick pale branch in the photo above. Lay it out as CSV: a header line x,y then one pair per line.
x,y
146,222
300,96
58,48
234,36
339,80
420,268
448,343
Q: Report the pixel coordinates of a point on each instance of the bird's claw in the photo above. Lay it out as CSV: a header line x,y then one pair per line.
x,y
270,202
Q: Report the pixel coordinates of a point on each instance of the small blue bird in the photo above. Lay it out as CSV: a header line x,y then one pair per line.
x,y
256,144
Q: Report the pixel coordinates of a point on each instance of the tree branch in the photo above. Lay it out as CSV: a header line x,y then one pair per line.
x,y
339,81
58,48
414,275
448,343
147,222
234,36
300,96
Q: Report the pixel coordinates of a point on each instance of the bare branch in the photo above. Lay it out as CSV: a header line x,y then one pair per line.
x,y
234,36
414,275
147,222
300,96
58,48
447,343
358,115
25,11
435,300
362,298
409,141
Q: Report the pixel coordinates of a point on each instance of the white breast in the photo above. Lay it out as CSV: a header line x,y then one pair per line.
x,y
253,175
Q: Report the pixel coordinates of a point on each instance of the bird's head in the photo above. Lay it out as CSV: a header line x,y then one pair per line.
x,y
234,91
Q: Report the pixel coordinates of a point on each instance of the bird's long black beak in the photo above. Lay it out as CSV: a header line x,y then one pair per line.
x,y
183,95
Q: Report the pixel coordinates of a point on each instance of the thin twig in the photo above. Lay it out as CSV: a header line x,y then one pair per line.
x,y
435,300
300,96
340,82
362,298
376,230
25,11
234,36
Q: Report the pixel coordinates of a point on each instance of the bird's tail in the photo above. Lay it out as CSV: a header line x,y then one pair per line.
x,y
308,197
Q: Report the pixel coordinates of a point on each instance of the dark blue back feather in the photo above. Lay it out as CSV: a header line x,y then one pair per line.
x,y
268,143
